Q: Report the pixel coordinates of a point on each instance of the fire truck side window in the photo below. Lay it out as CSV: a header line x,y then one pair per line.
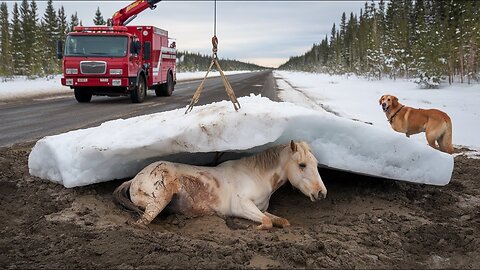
x,y
133,50
135,46
146,50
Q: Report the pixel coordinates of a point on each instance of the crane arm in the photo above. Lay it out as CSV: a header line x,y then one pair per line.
x,y
128,13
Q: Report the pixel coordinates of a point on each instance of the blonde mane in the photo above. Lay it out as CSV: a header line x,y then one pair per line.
x,y
270,158
267,159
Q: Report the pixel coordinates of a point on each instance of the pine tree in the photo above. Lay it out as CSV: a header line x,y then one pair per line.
x,y
62,29
471,23
98,20
5,58
36,46
62,24
18,59
27,32
50,36
73,22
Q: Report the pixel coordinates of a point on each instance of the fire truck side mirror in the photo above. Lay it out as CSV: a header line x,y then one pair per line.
x,y
59,49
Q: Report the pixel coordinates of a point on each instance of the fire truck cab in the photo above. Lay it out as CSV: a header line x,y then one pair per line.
x,y
119,60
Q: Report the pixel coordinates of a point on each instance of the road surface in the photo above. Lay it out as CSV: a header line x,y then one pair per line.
x,y
27,120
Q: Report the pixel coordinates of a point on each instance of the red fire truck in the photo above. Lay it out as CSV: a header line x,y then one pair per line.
x,y
117,60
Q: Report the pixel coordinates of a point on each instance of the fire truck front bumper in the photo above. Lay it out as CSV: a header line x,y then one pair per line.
x,y
95,82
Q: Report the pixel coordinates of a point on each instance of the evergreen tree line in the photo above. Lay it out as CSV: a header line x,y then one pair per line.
x,y
426,39
28,42
198,62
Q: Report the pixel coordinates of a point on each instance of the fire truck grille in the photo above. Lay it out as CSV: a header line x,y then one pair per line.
x,y
93,67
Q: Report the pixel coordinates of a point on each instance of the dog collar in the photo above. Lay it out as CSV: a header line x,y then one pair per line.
x,y
391,118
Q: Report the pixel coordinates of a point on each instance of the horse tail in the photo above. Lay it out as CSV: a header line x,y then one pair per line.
x,y
121,197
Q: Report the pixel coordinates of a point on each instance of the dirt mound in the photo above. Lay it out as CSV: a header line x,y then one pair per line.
x,y
363,223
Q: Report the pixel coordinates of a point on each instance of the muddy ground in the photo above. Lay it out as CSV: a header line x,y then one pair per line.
x,y
363,223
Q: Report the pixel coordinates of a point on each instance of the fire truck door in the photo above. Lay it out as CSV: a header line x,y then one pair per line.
x,y
134,63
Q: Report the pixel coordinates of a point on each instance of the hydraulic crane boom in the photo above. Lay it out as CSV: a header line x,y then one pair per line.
x,y
128,13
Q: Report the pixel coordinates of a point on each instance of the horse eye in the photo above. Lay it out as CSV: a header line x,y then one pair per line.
x,y
302,165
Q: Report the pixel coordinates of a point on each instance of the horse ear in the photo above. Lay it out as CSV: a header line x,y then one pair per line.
x,y
293,146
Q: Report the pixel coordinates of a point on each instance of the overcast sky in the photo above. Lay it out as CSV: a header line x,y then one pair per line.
x,y
261,32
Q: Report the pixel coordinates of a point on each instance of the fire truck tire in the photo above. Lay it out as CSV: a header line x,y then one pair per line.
x,y
165,89
139,93
83,95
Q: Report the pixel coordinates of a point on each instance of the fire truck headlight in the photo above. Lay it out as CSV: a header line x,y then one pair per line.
x,y
115,72
69,82
71,71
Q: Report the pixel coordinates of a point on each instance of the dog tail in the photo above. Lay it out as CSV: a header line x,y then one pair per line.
x,y
121,198
445,141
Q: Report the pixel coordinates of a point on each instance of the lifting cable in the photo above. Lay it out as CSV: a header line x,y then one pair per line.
x,y
228,87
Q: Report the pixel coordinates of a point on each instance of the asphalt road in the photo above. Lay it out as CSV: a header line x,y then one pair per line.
x,y
27,120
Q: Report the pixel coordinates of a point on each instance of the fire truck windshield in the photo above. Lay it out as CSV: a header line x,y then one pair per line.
x,y
96,46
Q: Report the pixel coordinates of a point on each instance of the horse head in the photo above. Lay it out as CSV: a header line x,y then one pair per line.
x,y
302,171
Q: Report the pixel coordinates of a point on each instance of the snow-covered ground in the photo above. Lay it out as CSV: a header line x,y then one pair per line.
x,y
357,98
22,87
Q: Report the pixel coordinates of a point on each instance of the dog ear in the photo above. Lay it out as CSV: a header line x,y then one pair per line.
x,y
394,101
380,100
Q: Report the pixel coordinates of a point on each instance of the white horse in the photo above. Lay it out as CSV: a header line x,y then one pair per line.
x,y
240,188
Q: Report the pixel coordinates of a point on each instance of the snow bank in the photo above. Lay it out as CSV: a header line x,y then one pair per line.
x,y
22,87
121,148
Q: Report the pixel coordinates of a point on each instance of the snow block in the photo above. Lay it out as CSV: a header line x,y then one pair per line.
x,y
121,148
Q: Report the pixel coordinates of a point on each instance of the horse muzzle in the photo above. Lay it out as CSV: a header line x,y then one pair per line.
x,y
318,195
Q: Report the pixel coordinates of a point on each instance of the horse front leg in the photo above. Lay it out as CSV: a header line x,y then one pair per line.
x,y
248,210
278,221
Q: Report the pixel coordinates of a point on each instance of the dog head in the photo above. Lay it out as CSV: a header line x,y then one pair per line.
x,y
387,102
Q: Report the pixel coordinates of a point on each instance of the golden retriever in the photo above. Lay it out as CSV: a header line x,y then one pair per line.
x,y
436,124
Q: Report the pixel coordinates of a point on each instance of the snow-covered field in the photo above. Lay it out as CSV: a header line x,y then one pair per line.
x,y
357,98
22,87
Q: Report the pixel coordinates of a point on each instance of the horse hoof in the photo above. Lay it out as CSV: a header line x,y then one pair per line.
x,y
284,223
138,224
264,227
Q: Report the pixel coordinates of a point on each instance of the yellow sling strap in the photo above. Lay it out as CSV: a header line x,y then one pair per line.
x,y
228,87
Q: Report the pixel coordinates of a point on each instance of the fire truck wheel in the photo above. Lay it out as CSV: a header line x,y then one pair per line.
x,y
165,89
139,93
83,95
170,85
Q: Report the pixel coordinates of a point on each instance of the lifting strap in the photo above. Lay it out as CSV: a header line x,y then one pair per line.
x,y
228,87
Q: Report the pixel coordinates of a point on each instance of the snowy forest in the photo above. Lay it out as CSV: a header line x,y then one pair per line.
x,y
198,62
28,42
430,40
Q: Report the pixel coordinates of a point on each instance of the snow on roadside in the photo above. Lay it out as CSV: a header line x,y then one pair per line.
x,y
22,87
